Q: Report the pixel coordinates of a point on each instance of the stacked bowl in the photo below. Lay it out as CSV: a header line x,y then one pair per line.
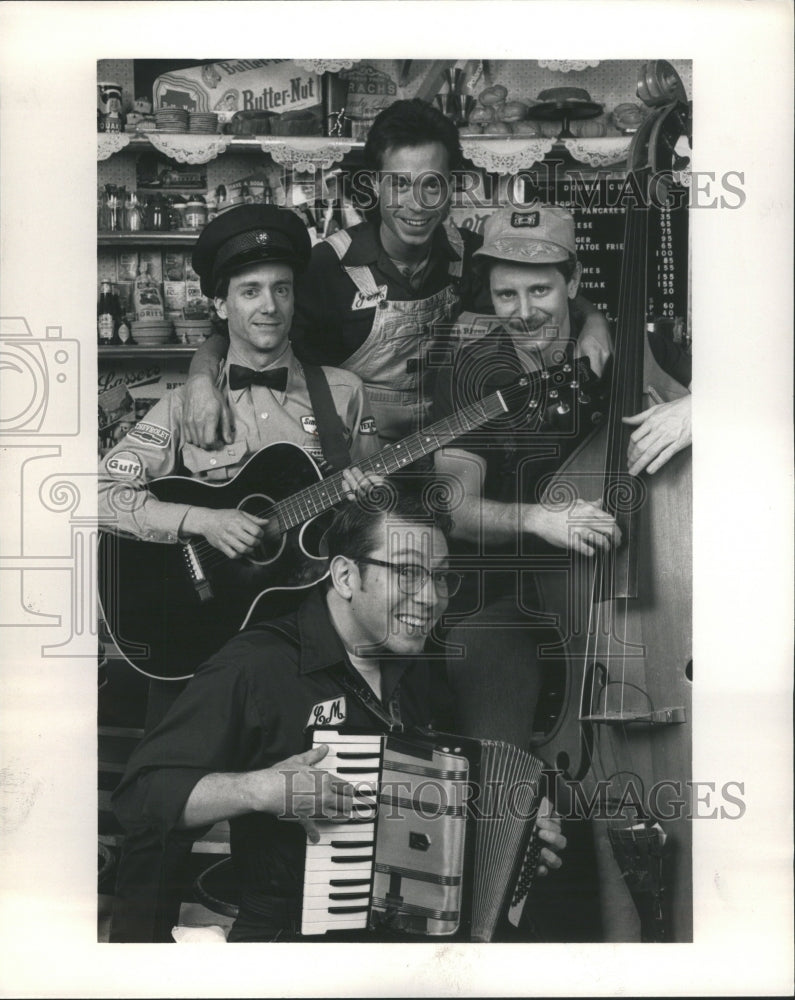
x,y
192,331
151,332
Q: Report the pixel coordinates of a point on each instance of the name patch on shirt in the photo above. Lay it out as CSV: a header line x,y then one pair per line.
x,y
150,434
124,465
328,713
370,300
309,424
367,426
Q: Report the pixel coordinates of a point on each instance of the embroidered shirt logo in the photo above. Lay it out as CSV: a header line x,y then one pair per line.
x,y
150,434
367,426
328,713
525,220
309,424
124,465
369,300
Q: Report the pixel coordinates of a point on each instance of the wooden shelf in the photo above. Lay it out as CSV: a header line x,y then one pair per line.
x,y
142,351
176,238
249,143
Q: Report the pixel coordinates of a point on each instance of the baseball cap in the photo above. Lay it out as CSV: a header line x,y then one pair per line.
x,y
248,234
543,234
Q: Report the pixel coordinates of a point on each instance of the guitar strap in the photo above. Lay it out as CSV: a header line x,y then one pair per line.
x,y
329,426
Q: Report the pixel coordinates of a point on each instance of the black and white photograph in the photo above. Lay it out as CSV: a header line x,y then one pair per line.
x,y
419,578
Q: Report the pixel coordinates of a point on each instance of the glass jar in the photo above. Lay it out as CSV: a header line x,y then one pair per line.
x,y
195,214
133,215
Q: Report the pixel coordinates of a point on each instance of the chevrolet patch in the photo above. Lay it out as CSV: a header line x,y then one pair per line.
x,y
150,434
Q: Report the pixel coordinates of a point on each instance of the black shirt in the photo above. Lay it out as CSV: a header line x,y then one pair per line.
x,y
248,708
521,451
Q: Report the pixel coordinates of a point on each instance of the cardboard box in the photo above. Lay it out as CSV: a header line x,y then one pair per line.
x,y
173,265
276,85
127,266
154,260
175,296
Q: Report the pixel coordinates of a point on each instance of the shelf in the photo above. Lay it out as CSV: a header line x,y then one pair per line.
x,y
298,152
141,351
249,143
177,237
495,153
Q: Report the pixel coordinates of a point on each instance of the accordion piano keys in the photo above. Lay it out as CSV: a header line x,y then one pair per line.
x,y
338,872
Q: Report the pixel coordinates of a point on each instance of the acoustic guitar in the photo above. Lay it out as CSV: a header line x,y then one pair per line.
x,y
170,606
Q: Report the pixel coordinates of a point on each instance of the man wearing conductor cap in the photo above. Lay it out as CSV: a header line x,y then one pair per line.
x,y
246,259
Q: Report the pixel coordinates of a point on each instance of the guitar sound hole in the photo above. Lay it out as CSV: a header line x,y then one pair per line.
x,y
272,544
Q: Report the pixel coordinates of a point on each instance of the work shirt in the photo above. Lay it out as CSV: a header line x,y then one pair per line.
x,y
332,321
249,708
521,450
261,416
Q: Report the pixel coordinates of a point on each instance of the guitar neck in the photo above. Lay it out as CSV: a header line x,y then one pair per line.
x,y
322,496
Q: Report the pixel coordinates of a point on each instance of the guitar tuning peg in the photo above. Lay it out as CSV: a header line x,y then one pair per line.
x,y
562,408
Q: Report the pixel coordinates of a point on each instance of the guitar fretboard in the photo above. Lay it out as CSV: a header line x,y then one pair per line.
x,y
322,496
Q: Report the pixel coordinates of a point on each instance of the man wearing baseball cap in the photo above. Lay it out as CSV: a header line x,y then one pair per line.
x,y
529,260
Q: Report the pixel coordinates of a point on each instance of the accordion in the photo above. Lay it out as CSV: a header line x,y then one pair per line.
x,y
440,829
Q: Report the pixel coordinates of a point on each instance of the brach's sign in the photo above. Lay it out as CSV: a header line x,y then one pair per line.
x,y
276,85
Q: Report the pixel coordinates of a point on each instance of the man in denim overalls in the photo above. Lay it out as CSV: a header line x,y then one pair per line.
x,y
373,292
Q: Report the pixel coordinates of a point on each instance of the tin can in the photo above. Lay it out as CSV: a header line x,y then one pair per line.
x,y
109,98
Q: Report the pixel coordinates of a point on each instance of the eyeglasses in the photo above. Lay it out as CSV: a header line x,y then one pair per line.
x,y
412,577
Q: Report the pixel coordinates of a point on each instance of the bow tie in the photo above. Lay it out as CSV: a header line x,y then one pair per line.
x,y
242,378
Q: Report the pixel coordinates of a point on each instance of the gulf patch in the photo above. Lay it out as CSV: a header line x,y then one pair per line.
x,y
150,434
328,713
124,465
367,426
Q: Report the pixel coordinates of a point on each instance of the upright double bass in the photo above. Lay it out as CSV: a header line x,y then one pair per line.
x,y
623,738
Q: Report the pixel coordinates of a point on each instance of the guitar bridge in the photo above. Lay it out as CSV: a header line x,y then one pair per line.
x,y
201,584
